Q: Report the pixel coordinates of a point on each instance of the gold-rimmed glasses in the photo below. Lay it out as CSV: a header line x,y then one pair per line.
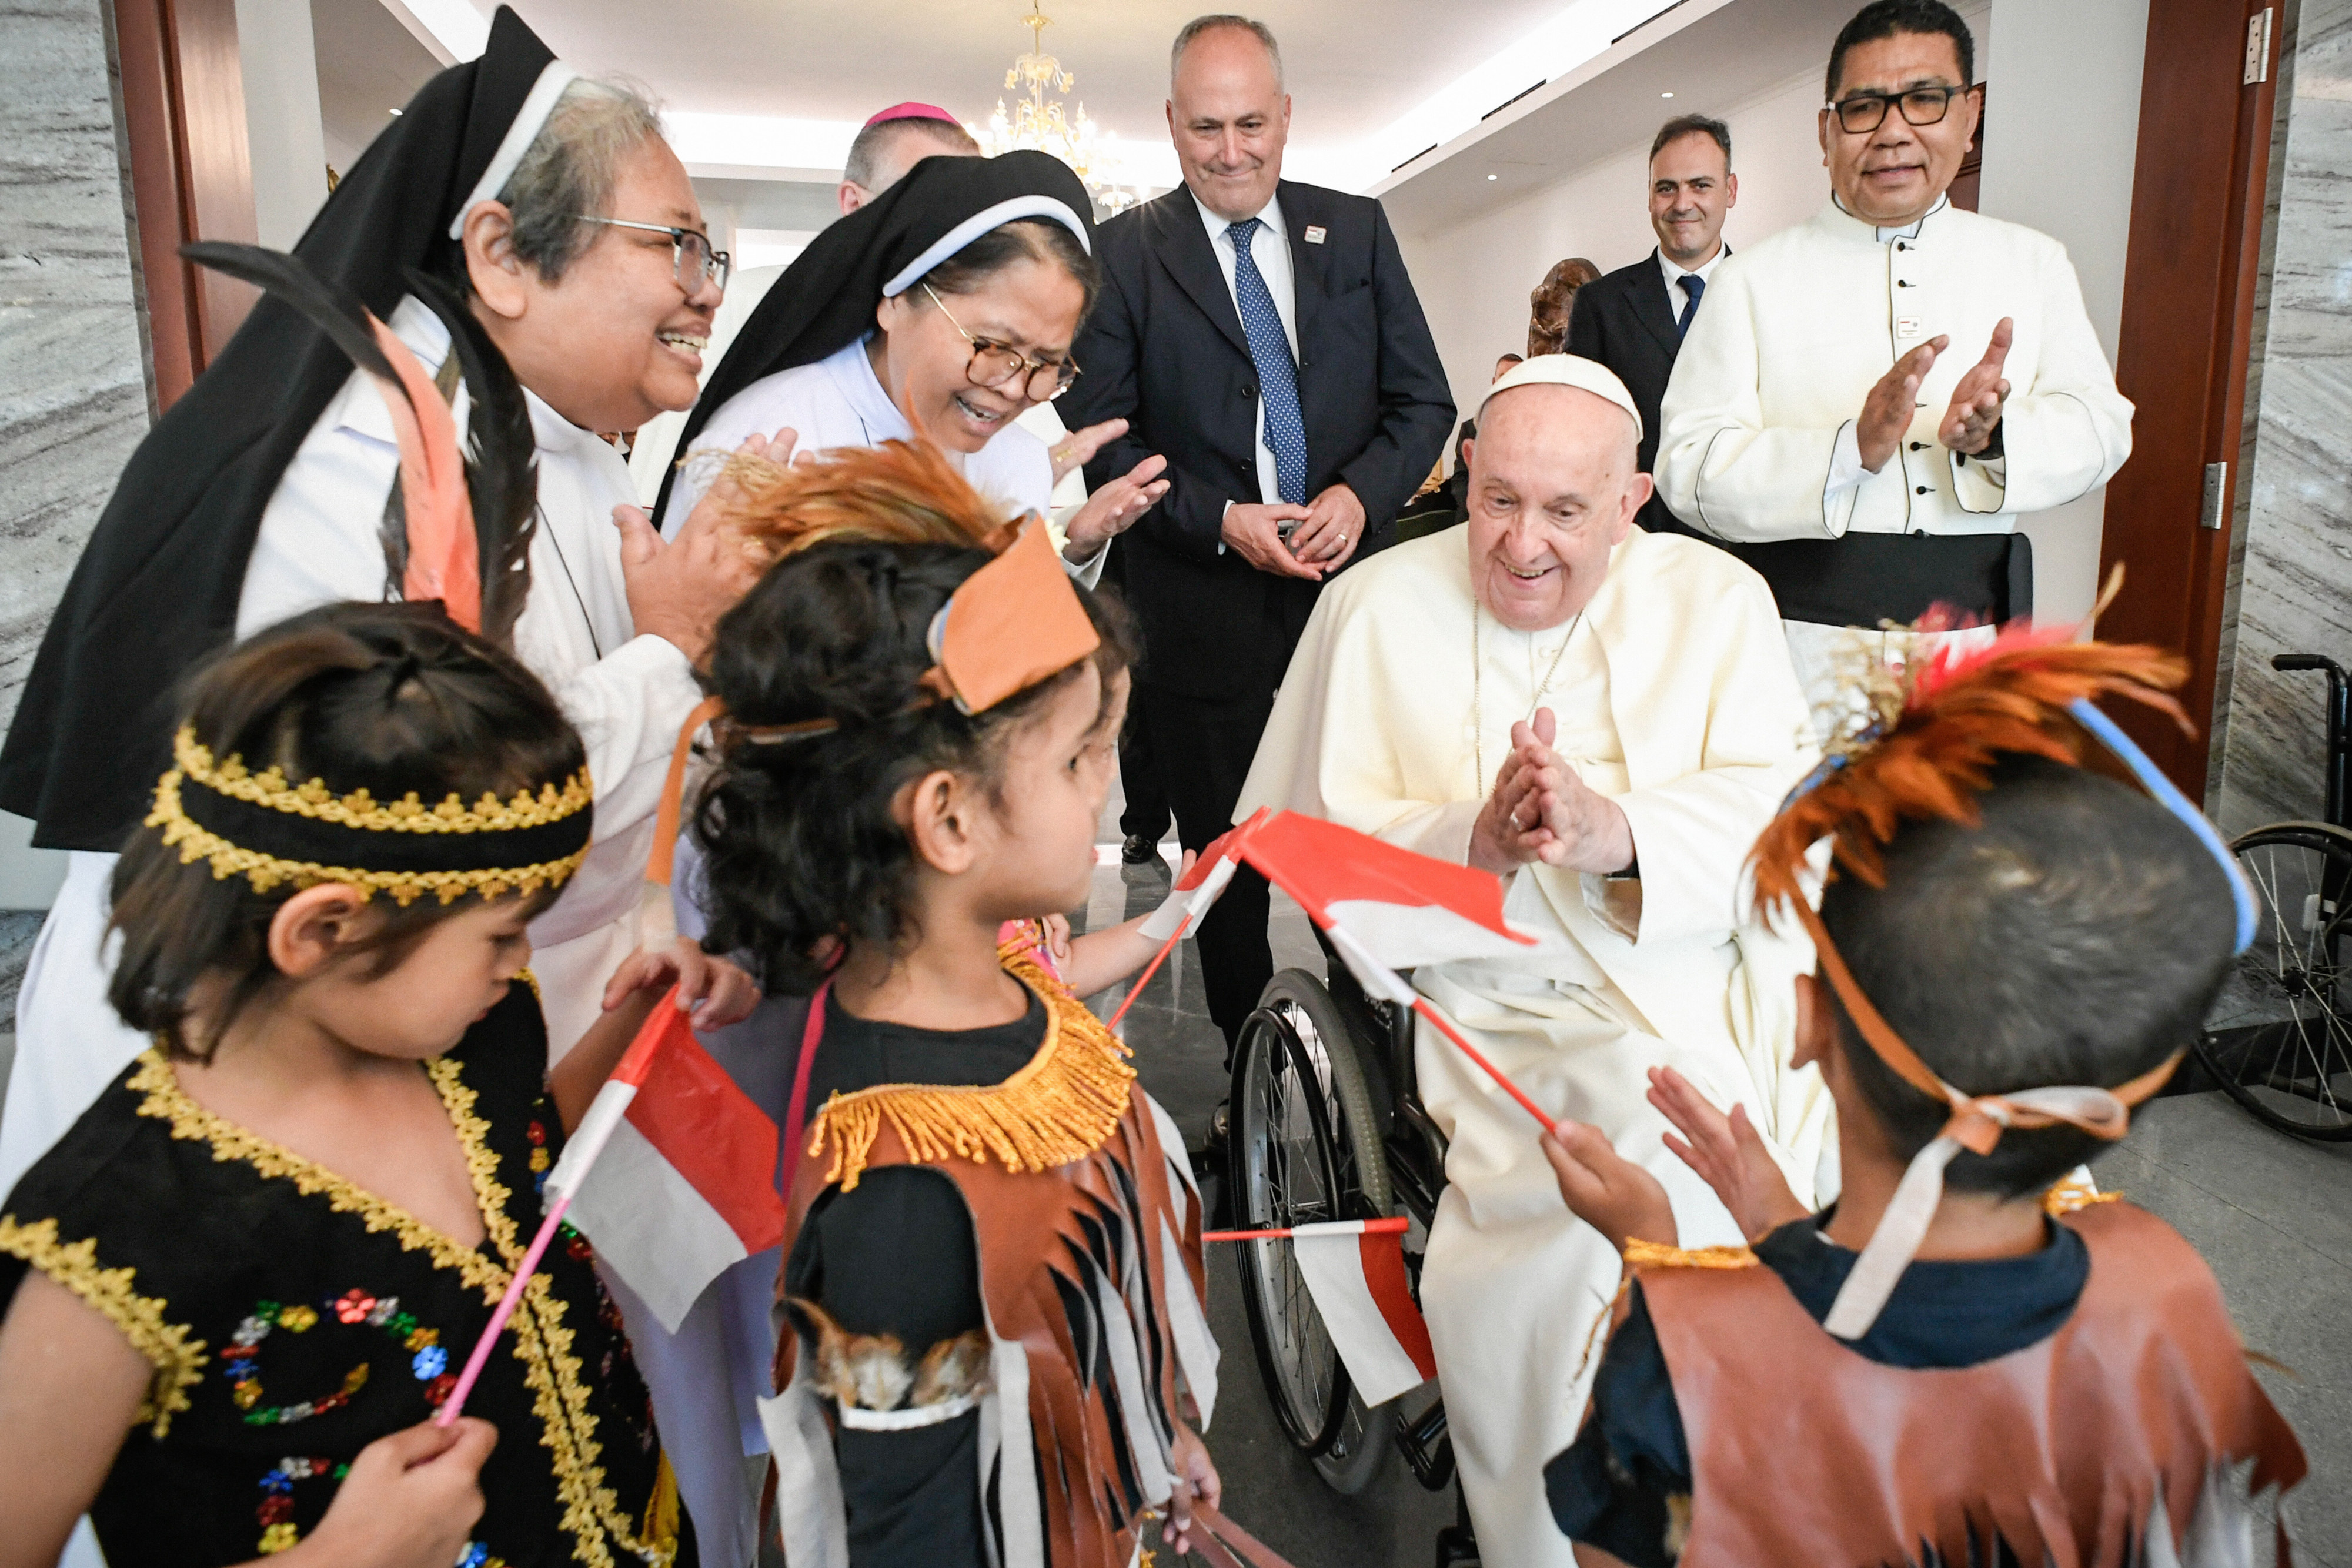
x,y
994,365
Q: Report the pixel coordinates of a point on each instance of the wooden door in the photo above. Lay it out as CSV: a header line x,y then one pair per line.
x,y
190,174
2182,353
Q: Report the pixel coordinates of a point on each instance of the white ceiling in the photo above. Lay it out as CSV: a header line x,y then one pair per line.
x,y
751,85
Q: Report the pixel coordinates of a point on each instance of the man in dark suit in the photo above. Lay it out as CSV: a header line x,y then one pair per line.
x,y
1632,319
1263,336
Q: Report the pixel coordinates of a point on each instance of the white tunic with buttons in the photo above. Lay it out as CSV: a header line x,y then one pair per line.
x,y
1797,328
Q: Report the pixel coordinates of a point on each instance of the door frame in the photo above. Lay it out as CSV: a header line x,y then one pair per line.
x,y
2183,348
191,175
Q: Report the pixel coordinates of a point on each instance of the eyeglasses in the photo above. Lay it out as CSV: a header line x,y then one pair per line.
x,y
692,261
1921,106
992,365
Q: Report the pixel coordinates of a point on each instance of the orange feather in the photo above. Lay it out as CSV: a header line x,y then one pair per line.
x,y
443,557
1964,711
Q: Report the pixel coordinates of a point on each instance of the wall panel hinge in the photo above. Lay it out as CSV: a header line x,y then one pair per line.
x,y
2258,47
2216,509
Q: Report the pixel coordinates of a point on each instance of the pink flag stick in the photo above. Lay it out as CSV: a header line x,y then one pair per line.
x,y
453,1406
1363,1226
580,1151
1422,1006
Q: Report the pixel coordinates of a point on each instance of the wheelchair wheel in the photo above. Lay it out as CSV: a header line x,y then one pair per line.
x,y
1304,1150
2278,1039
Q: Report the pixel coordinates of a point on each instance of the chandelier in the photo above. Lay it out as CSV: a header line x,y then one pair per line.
x,y
1041,123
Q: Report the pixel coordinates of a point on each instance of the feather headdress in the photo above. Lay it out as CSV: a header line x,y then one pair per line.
x,y
1925,750
1938,729
448,516
1014,622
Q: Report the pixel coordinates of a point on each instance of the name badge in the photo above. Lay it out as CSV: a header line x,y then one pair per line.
x,y
1314,233
1907,326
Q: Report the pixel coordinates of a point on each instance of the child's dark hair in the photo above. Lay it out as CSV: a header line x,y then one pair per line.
x,y
2076,936
801,850
391,698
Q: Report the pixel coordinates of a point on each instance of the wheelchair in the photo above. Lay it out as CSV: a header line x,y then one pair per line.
x,y
2278,1039
1326,1122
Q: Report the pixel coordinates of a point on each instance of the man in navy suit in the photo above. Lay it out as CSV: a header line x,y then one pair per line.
x,y
1263,336
1632,319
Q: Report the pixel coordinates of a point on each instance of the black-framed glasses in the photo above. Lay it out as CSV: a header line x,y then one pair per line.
x,y
992,365
692,260
1863,111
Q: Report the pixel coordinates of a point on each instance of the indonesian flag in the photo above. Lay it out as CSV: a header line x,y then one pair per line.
x,y
1383,907
1355,1270
672,1173
1198,888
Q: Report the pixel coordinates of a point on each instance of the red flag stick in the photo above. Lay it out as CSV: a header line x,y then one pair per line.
x,y
1421,1005
1367,1227
1148,970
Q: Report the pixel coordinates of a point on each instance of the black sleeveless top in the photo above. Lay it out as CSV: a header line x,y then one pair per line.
x,y
292,1319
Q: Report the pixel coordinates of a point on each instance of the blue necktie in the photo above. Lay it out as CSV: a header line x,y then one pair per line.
x,y
1694,285
1278,378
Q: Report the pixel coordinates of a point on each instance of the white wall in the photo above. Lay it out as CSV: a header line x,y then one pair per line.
x,y
281,117
1474,280
2061,135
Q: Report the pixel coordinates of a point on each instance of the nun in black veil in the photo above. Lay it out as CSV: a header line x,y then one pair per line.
x,y
552,205
938,311
261,493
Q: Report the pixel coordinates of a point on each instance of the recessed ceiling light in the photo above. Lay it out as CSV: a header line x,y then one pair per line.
x,y
1494,176
395,111
1666,94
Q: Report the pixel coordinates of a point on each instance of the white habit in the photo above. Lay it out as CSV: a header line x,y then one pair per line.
x,y
1757,440
1676,699
318,544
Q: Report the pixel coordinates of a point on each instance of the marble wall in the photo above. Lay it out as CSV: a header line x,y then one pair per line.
x,y
2291,579
74,395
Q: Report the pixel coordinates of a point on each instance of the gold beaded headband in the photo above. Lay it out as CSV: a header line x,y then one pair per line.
x,y
224,812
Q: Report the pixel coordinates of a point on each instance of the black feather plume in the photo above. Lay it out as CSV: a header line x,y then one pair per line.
x,y
343,319
501,459
289,278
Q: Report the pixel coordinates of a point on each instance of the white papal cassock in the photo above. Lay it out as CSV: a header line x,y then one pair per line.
x,y
1757,441
1676,699
318,544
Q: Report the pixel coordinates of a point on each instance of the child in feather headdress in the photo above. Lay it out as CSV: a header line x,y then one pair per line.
x,y
1959,1361
993,1277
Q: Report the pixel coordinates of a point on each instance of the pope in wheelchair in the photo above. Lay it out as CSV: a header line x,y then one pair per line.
x,y
1605,718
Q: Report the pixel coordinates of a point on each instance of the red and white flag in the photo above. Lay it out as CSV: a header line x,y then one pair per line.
x,y
685,1184
1355,1270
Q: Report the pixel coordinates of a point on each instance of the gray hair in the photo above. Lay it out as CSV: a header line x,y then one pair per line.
x,y
1200,24
865,152
571,168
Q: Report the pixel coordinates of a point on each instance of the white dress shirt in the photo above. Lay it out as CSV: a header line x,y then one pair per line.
x,y
1270,248
1704,272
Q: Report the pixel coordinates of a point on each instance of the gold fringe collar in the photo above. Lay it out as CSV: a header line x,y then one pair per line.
x,y
1062,1106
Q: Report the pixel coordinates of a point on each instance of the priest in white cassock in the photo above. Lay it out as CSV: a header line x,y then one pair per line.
x,y
1605,718
1870,400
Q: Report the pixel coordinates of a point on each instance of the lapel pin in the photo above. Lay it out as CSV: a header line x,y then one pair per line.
x,y
1314,233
